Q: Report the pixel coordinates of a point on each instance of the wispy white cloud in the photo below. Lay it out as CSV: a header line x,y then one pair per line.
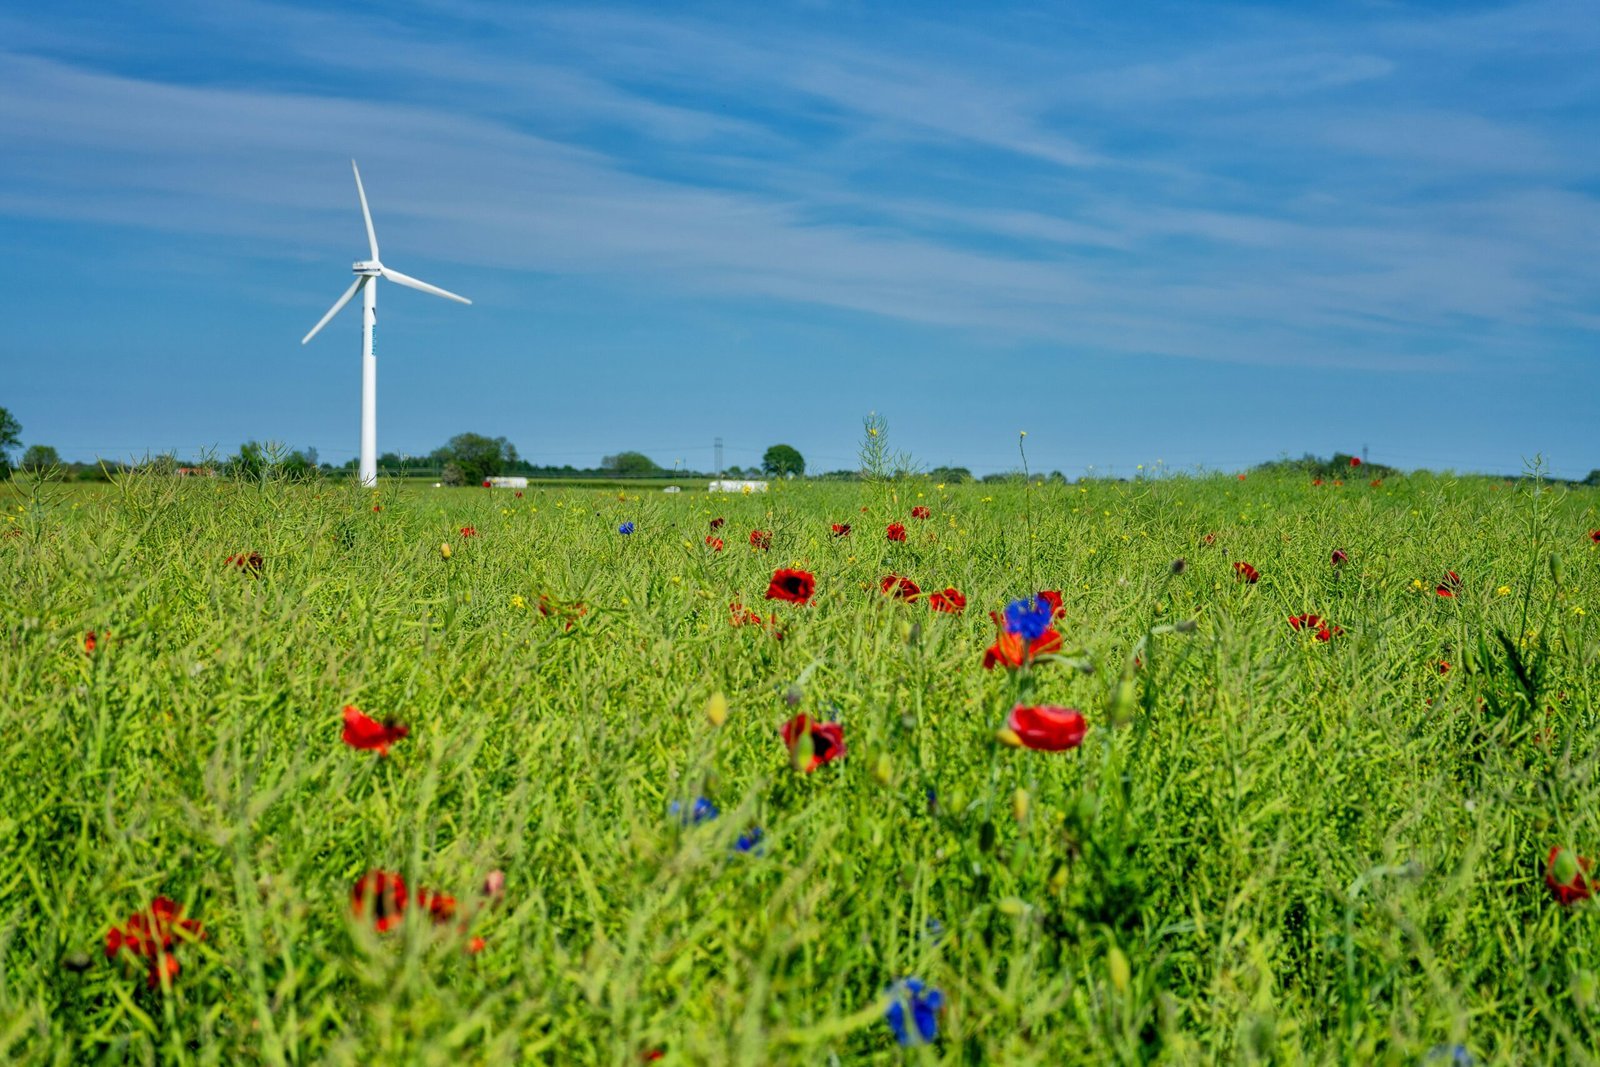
x,y
1209,222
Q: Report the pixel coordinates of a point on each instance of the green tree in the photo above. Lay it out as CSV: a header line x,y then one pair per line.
x,y
10,437
630,464
39,458
782,461
476,456
951,475
249,464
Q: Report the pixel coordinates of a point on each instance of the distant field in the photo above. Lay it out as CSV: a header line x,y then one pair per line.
x,y
1270,845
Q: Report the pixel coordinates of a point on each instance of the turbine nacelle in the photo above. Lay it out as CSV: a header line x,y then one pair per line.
x,y
369,268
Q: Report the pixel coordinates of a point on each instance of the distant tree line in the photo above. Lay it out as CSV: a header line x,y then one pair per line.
x,y
469,458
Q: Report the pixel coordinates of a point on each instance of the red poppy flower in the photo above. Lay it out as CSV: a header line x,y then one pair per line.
x,y
743,616
1241,477
896,532
469,531
827,740
1053,598
714,542
841,529
761,539
902,588
1047,727
1316,481
1567,875
1451,583
1307,622
1009,650
1243,572
519,494
1338,482
381,896
1444,666
797,587
1328,631
920,512
249,562
1209,539
1355,461
364,732
716,524
377,507
89,642
486,483
441,907
1339,557
1376,482
151,935
951,601
1594,535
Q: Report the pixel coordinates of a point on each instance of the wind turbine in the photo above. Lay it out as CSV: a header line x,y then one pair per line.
x,y
368,271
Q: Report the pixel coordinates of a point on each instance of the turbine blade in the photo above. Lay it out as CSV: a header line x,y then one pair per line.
x,y
337,305
372,235
407,280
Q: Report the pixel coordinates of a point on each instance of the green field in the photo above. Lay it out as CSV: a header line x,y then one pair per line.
x,y
1291,850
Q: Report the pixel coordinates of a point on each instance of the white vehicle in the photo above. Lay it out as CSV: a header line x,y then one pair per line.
x,y
735,485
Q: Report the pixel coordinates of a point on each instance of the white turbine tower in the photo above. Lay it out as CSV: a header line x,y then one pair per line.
x,y
368,271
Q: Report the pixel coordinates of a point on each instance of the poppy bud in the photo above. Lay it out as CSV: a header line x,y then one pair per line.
x,y
717,709
1117,967
1015,907
1019,805
1007,736
444,549
883,769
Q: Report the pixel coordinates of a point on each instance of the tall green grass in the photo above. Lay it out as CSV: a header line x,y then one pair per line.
x,y
1295,851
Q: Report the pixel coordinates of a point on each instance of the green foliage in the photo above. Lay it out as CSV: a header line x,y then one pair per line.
x,y
39,458
1340,466
1296,851
629,464
10,437
782,461
469,458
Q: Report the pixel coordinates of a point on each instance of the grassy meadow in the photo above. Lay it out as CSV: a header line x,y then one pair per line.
x,y
1267,848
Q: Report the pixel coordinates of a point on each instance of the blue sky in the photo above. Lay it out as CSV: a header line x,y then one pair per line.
x,y
1195,234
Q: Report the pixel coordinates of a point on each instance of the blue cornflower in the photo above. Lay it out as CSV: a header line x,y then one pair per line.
x,y
925,1003
1028,617
699,812
750,840
625,528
